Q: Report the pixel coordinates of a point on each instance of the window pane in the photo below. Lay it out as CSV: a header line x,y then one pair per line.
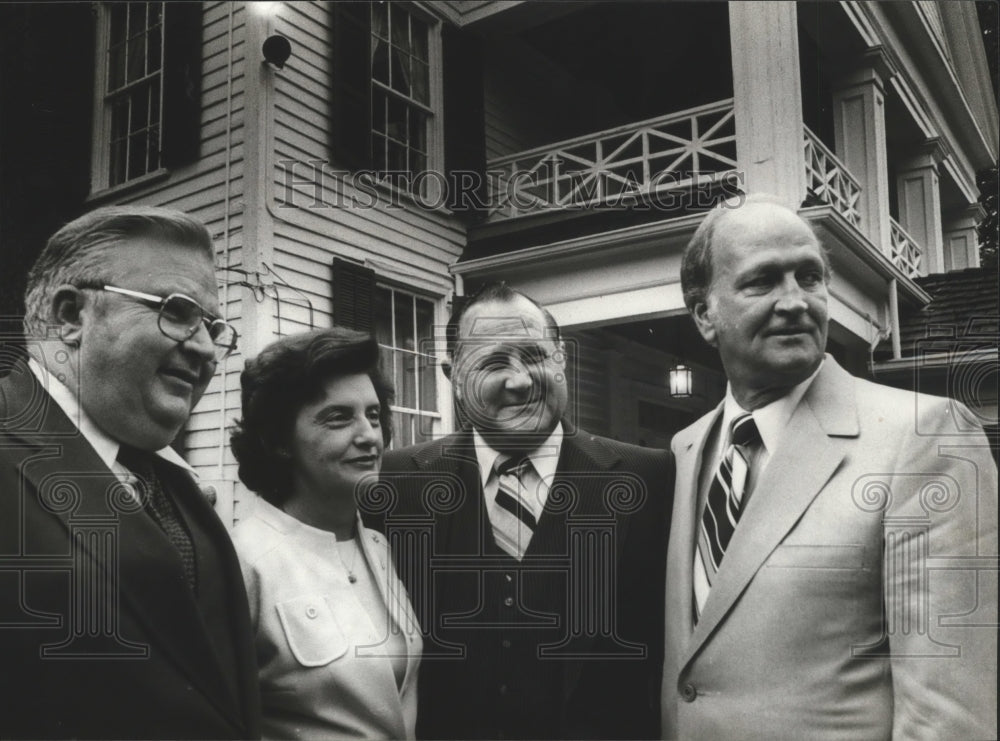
x,y
421,81
428,384
402,433
404,321
380,20
380,61
137,155
379,106
396,119
140,109
418,39
382,310
425,326
155,37
118,12
406,384
418,130
116,67
136,19
396,158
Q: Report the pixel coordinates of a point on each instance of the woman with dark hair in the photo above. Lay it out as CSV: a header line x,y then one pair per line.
x,y
338,645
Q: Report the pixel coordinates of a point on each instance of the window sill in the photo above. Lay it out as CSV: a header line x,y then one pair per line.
x,y
104,195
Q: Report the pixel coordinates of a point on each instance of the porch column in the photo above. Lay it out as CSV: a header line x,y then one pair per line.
x,y
767,101
918,186
961,242
859,131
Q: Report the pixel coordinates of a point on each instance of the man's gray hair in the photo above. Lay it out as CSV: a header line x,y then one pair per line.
x,y
82,252
696,265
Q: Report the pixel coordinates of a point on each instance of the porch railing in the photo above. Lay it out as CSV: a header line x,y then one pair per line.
x,y
690,148
829,180
904,251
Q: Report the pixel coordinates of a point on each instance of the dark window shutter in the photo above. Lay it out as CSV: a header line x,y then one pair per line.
x,y
464,121
353,295
350,104
182,46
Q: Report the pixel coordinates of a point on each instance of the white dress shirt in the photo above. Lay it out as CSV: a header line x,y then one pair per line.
x,y
535,482
104,445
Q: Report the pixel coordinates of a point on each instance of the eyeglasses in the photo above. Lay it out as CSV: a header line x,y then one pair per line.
x,y
180,317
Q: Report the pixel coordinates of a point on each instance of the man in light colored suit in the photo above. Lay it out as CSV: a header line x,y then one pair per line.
x,y
835,576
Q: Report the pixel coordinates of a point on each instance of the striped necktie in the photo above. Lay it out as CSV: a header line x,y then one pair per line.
x,y
512,519
724,504
160,506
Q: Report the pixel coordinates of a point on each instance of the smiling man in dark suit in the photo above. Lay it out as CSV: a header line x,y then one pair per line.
x,y
537,589
122,609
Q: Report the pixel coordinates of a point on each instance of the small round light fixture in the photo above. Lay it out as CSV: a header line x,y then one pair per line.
x,y
680,382
277,49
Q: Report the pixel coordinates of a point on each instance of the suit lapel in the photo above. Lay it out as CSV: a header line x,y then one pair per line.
x,y
689,446
794,475
150,575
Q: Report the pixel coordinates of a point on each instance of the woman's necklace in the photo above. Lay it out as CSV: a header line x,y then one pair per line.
x,y
351,577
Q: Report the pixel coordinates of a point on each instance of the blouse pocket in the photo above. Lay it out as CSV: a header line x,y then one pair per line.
x,y
312,632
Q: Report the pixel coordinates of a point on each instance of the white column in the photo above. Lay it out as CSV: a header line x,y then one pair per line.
x,y
859,131
961,242
918,188
768,98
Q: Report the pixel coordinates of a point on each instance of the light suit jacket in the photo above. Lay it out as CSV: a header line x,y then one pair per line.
x,y
858,596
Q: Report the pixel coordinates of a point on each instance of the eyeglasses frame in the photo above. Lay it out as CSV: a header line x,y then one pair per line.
x,y
158,302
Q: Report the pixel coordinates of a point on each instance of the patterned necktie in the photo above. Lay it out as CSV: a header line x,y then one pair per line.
x,y
160,506
725,502
512,519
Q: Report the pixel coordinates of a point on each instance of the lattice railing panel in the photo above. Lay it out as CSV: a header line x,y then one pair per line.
x,y
829,180
904,252
693,147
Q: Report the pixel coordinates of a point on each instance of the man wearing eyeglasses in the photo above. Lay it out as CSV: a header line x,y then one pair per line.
x,y
539,586
122,609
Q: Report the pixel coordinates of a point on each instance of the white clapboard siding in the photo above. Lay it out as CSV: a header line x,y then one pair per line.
x,y
201,189
315,223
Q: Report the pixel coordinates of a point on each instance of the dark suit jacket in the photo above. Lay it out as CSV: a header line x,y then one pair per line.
x,y
591,581
100,636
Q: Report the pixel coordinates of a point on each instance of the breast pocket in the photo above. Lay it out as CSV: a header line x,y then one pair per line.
x,y
806,556
313,634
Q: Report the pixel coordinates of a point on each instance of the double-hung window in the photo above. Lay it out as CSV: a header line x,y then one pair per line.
x,y
404,328
131,115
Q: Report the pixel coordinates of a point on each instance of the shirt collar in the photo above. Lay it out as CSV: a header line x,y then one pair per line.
x,y
545,458
771,420
105,446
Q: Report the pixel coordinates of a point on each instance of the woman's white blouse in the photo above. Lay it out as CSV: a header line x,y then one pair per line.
x,y
325,672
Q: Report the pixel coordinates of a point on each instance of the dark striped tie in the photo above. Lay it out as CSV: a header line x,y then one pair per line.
x,y
160,507
512,519
725,496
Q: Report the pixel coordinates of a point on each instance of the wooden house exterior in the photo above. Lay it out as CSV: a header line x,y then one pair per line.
x,y
406,152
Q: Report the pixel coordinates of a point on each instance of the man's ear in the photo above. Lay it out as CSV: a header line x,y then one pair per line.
x,y
67,309
704,320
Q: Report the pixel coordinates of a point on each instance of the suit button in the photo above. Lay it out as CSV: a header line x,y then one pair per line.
x,y
508,577
689,692
505,643
508,601
311,612
503,689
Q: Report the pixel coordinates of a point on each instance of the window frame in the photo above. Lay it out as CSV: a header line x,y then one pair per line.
x,y
441,418
102,118
434,109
